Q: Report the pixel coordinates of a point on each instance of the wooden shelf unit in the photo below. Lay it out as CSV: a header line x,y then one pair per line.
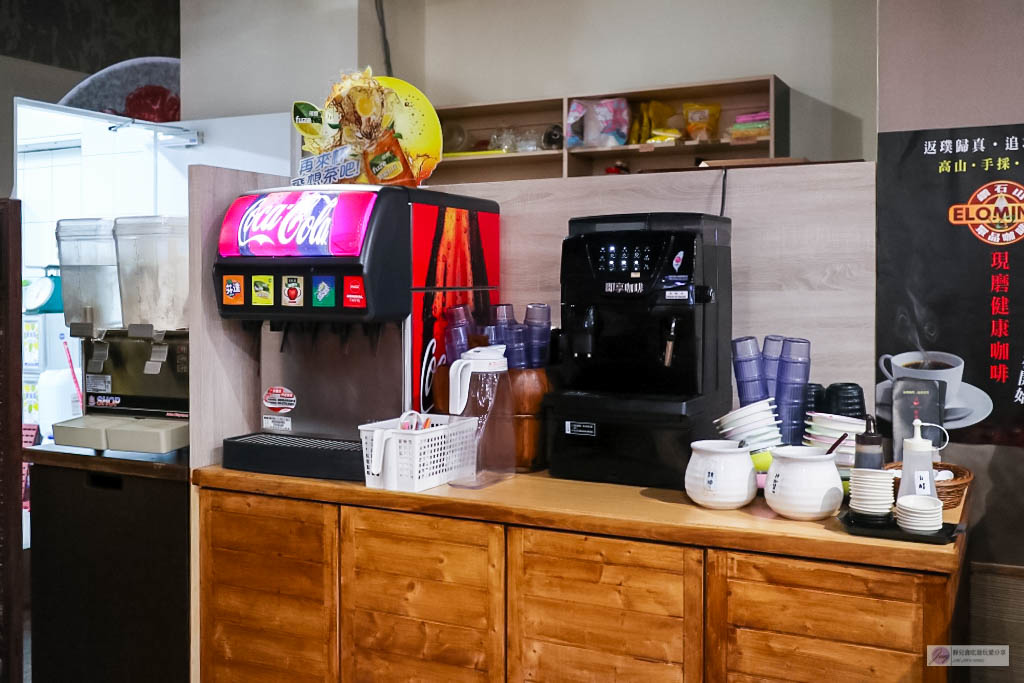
x,y
736,97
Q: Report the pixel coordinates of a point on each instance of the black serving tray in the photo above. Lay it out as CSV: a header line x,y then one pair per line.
x,y
853,526
295,456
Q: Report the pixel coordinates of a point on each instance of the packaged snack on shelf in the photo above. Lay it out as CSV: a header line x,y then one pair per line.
x,y
574,120
645,122
751,118
749,132
606,122
701,120
665,135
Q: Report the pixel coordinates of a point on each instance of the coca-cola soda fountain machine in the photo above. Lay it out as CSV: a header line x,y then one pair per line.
x,y
348,285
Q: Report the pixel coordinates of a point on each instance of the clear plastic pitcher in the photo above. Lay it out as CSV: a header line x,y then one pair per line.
x,y
480,387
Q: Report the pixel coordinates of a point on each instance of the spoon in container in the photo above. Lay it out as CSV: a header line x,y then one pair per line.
x,y
837,444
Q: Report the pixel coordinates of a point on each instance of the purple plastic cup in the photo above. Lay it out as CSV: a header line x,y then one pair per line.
x,y
456,342
503,316
746,362
515,349
770,359
538,334
459,316
791,386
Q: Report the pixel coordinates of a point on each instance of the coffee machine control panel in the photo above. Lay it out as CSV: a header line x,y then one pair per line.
x,y
641,263
625,258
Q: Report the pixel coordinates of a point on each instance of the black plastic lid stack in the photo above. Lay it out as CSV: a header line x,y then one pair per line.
x,y
870,437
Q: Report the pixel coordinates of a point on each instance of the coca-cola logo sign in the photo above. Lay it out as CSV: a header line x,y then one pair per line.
x,y
302,223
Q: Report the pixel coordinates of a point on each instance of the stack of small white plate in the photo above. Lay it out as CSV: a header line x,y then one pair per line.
x,y
871,492
824,428
919,514
757,424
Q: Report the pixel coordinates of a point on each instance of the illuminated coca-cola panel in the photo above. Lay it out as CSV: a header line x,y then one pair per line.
x,y
296,223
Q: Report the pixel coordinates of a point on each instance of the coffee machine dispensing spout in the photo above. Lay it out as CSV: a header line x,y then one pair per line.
x,y
583,341
670,342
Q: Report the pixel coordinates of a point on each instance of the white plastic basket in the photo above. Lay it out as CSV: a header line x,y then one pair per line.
x,y
417,460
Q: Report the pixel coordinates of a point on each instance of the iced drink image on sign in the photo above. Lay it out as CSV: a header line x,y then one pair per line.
x,y
378,130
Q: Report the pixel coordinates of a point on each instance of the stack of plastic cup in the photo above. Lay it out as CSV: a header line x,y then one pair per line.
x,y
456,337
515,349
504,318
538,334
791,383
770,358
746,363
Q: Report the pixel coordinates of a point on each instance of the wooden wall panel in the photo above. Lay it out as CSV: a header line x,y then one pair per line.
x,y
224,364
269,583
422,598
584,608
803,247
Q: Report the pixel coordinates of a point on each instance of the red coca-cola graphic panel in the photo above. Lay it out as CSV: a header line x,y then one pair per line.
x,y
454,247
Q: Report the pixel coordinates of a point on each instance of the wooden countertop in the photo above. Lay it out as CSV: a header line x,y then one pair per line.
x,y
538,500
172,466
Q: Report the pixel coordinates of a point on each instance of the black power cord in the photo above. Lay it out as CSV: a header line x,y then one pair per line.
x,y
379,4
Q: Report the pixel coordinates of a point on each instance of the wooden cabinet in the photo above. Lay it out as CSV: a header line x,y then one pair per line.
x,y
583,608
775,618
292,590
423,598
269,589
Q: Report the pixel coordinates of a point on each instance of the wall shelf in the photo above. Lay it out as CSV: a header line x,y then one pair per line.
x,y
476,123
500,157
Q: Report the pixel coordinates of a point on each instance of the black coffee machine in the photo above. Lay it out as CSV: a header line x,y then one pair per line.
x,y
645,364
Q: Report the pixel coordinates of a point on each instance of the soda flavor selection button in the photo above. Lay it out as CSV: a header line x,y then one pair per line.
x,y
355,292
233,294
292,290
262,290
323,291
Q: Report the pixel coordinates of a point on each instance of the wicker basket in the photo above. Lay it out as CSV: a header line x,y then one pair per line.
x,y
950,492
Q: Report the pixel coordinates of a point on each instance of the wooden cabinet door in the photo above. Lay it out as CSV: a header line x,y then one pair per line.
x,y
777,618
422,598
268,572
586,608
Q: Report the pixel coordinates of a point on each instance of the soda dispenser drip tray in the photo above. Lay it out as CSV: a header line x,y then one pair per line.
x,y
342,282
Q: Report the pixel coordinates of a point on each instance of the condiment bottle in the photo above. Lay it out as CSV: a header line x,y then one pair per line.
x,y
918,476
868,450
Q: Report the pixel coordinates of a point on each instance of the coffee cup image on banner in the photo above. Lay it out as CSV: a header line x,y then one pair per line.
x,y
932,376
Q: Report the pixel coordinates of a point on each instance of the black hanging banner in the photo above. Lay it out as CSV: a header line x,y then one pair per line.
x,y
950,297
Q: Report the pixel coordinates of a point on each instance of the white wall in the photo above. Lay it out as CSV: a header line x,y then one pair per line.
x,y
493,50
261,143
946,63
19,78
243,57
258,56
